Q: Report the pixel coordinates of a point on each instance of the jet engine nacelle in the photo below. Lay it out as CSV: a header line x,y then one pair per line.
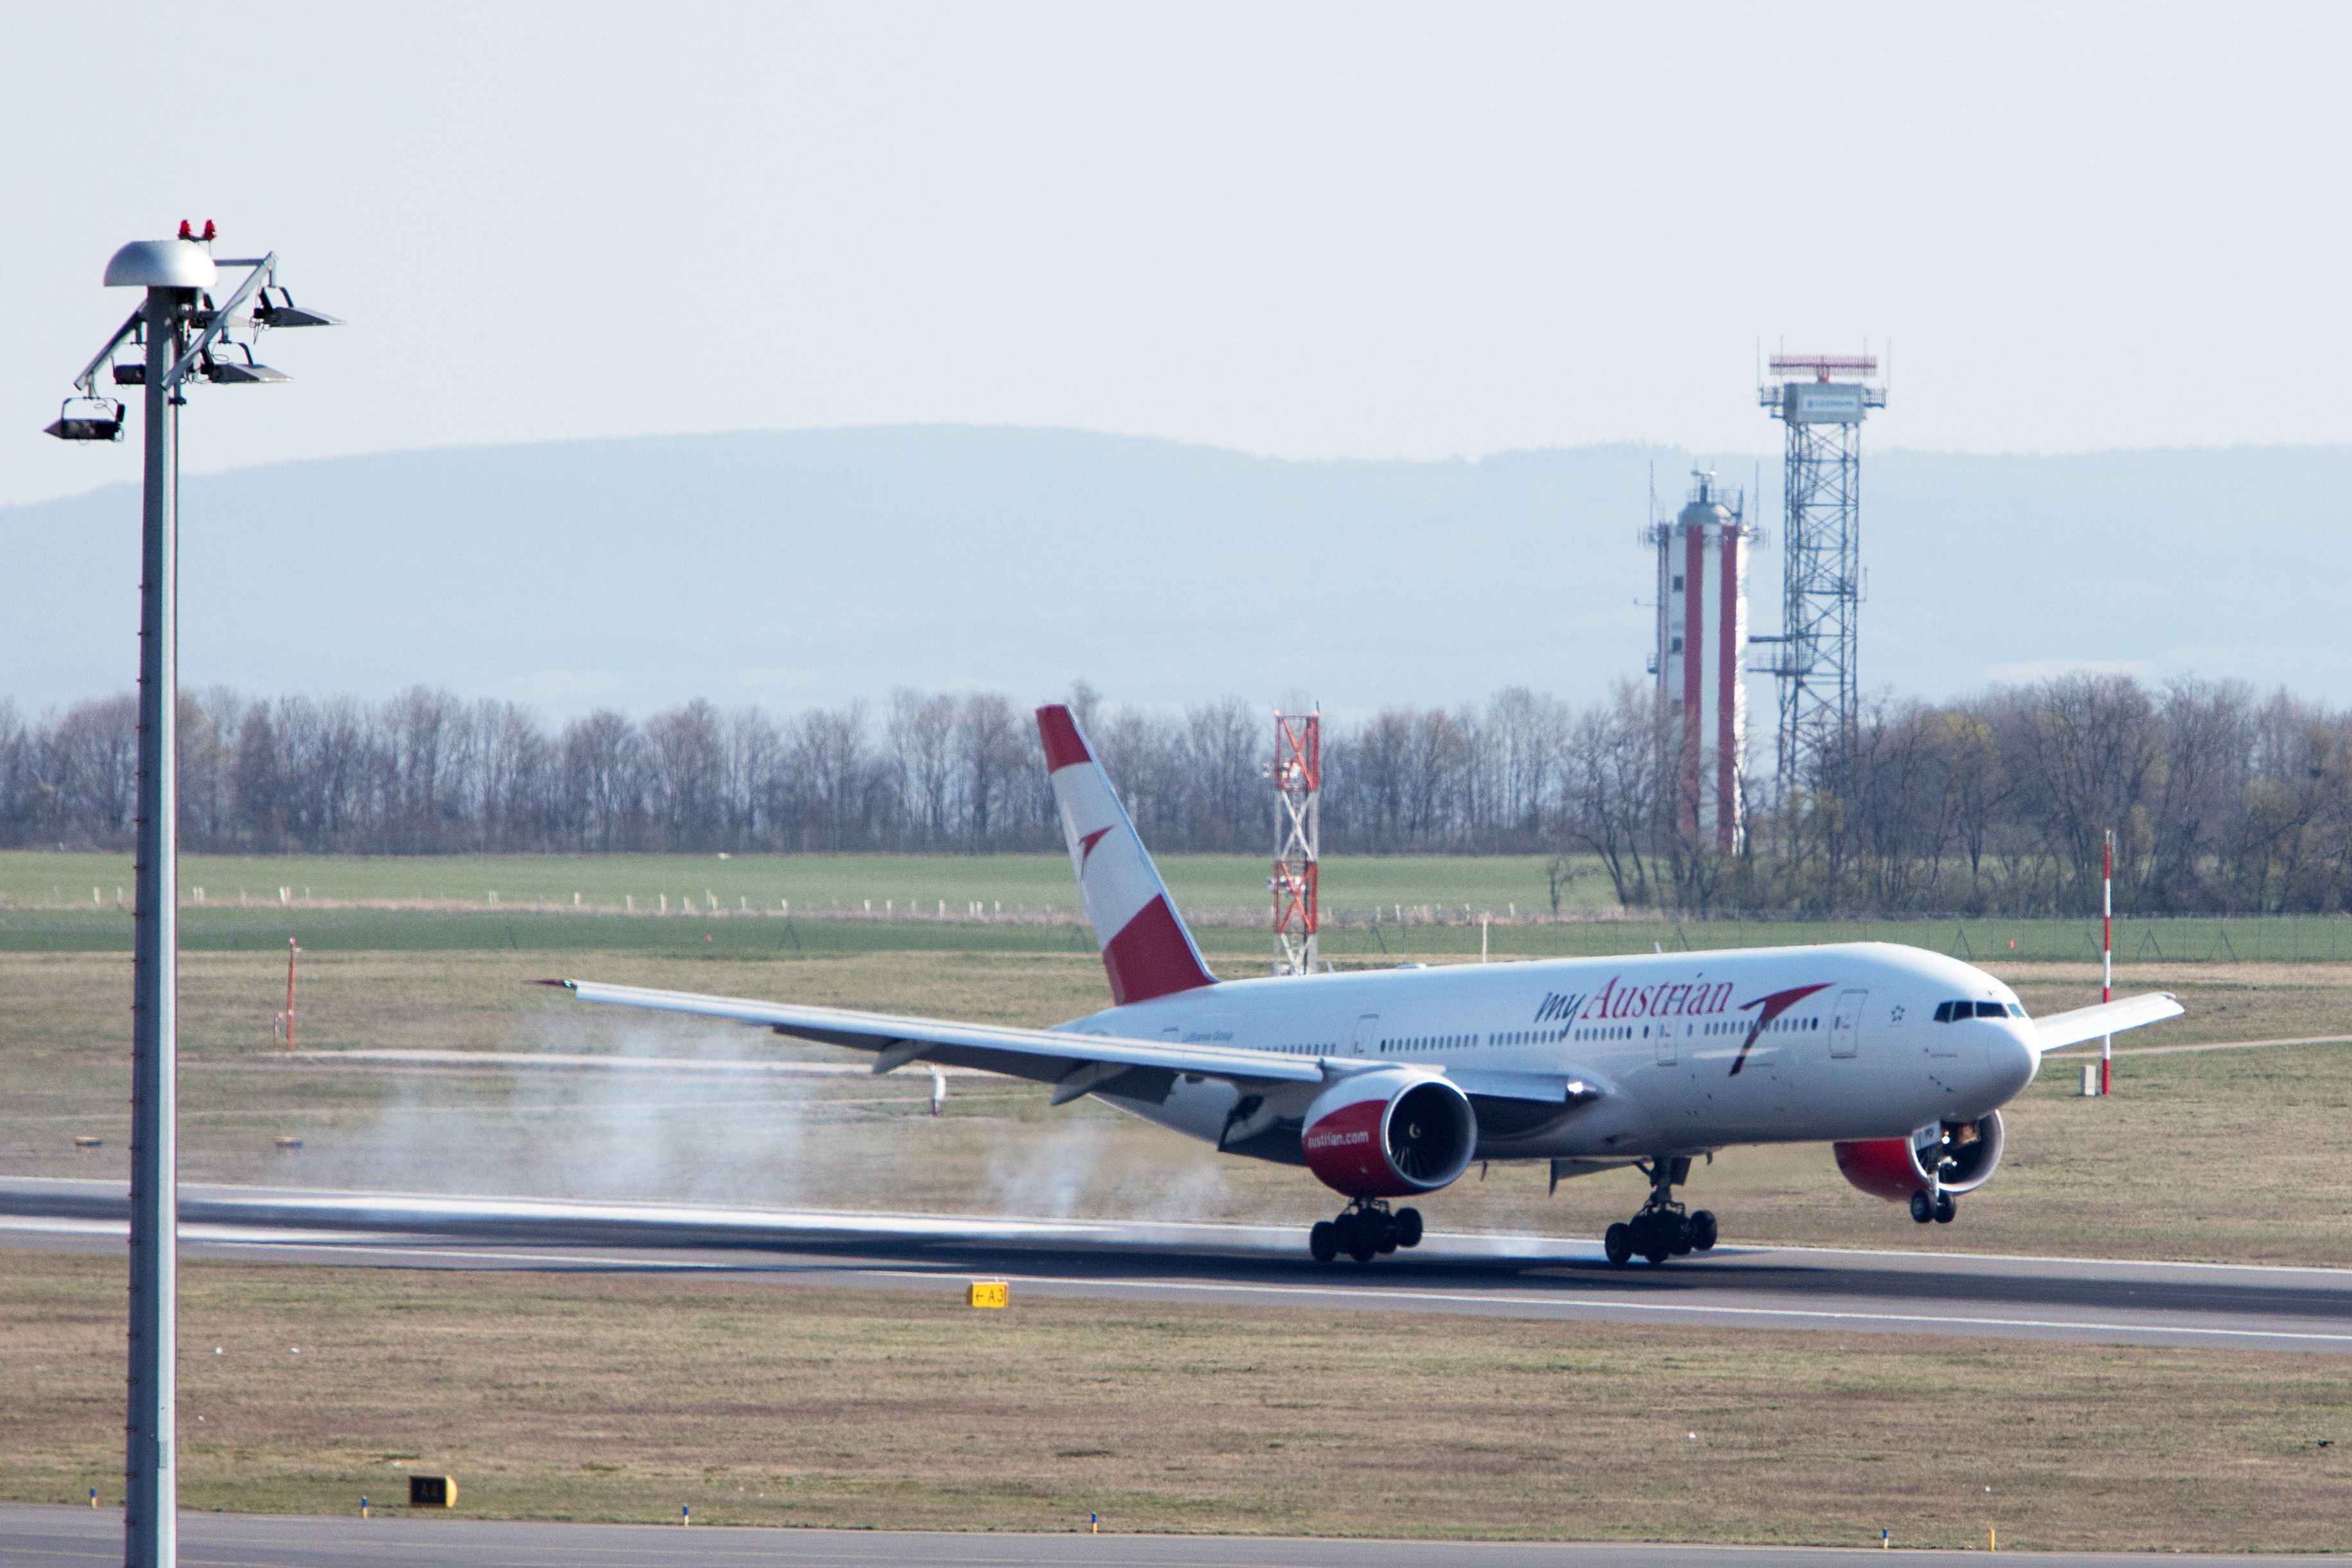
x,y
1389,1132
1965,1153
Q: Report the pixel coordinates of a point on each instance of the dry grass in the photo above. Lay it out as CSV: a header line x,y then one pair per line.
x,y
623,1397
2224,1156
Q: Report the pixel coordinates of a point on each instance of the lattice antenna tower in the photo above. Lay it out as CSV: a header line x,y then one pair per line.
x,y
1821,400
1297,775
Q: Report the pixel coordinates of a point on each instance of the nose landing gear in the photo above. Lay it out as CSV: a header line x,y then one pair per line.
x,y
1662,1230
1364,1230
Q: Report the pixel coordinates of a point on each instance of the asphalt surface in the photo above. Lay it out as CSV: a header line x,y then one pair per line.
x,y
50,1537
2225,1306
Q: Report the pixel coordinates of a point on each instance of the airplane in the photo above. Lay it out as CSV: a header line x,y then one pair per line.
x,y
1390,1083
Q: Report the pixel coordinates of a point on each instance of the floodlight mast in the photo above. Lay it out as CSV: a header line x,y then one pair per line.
x,y
150,1498
175,273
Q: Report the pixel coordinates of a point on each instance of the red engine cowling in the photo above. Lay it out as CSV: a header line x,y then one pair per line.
x,y
1966,1153
1389,1132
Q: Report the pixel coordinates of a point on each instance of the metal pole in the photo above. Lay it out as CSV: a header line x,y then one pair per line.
x,y
151,1501
2107,961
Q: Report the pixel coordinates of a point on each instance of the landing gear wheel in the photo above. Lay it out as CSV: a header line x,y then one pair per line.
x,y
1656,1234
1617,1244
1923,1208
1946,1206
1662,1230
1363,1230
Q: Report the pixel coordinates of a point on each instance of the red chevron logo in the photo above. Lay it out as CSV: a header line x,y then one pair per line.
x,y
1774,1006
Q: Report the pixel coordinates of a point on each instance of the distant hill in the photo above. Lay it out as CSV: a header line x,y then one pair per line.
x,y
799,567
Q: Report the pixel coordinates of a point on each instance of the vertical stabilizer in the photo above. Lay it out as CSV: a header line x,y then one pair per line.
x,y
1146,949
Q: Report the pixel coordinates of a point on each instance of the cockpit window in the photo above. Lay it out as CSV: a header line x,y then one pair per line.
x,y
1947,1012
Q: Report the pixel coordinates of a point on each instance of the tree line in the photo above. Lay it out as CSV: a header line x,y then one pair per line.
x,y
2222,800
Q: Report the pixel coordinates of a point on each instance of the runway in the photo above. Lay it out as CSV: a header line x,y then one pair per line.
x,y
2220,1306
53,1536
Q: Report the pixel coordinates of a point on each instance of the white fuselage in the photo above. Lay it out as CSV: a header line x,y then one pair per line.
x,y
1850,1045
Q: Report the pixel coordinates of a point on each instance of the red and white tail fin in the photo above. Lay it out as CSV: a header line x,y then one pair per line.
x,y
1145,946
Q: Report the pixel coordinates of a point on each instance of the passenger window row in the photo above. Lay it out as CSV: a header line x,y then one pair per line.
x,y
1426,1042
1949,1013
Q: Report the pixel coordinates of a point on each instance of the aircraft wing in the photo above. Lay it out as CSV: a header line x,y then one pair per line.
x,y
1073,1064
2061,1029
1535,1088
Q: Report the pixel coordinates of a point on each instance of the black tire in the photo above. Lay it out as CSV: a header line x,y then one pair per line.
x,y
1323,1242
1361,1244
1702,1229
1384,1231
1617,1244
1923,1208
1659,1252
1946,1207
1408,1223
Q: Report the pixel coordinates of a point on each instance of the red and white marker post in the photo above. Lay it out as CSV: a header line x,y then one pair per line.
x,y
2107,962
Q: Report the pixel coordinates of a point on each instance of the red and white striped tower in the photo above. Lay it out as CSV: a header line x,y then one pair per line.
x,y
1702,650
1298,774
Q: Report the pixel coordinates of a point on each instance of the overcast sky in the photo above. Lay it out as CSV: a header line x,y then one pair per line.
x,y
1307,231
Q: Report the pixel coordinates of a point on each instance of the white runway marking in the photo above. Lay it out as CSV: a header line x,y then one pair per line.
x,y
1591,1304
1353,1294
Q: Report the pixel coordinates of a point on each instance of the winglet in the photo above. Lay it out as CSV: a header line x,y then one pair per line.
x,y
567,985
1147,952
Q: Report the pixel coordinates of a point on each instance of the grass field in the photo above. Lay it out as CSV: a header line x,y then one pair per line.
x,y
2218,1156
619,1397
1377,910
1242,946
588,1396
1021,882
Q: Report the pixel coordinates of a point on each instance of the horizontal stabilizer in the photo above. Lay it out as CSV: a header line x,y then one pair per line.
x,y
2060,1029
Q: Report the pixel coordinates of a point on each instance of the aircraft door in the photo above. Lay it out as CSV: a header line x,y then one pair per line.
x,y
1368,1036
1666,1039
1845,1023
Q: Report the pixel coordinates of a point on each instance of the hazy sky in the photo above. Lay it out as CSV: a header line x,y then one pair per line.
x,y
1309,231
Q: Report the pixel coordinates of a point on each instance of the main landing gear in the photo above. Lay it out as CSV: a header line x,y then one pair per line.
x,y
1364,1230
1940,1209
1661,1230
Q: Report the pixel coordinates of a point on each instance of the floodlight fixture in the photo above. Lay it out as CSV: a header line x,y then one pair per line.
x,y
88,419
223,371
282,311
